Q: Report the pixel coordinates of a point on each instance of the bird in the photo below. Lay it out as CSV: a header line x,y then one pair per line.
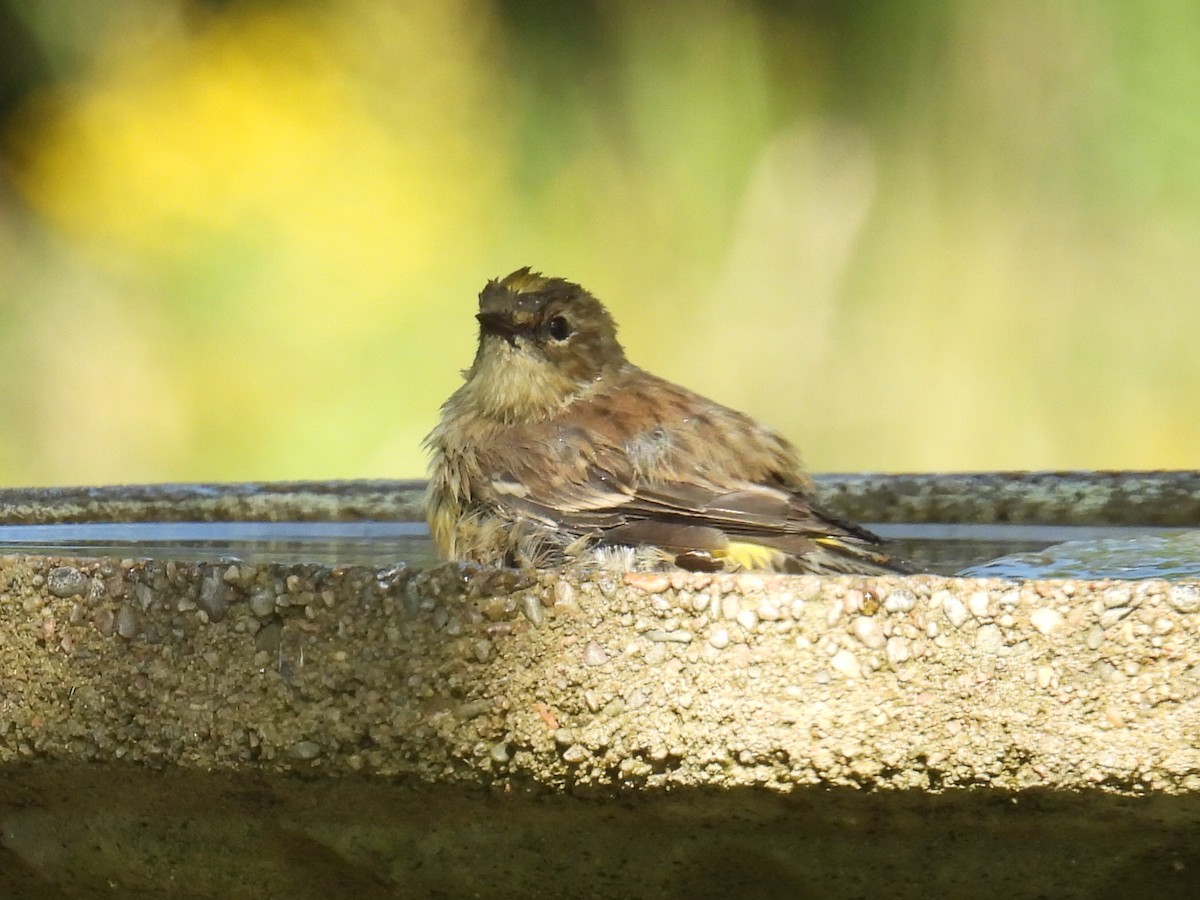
x,y
557,451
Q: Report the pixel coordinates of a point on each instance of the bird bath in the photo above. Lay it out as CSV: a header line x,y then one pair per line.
x,y
249,690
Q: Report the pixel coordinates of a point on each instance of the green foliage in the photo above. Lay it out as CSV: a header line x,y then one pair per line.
x,y
243,240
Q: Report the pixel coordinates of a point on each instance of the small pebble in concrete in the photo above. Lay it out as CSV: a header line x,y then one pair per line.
x,y
846,663
262,602
989,639
594,654
472,709
214,596
650,582
955,610
66,581
868,630
852,601
104,620
899,601
897,650
1185,598
482,650
144,594
1111,617
979,604
834,610
730,606
575,754
305,750
531,608
564,593
1046,620
719,638
127,622
269,638
750,583
1116,596
676,636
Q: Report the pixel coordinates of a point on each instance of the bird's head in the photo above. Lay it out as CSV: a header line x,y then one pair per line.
x,y
542,342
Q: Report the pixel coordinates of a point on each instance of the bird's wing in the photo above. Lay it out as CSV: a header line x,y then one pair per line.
x,y
654,464
608,498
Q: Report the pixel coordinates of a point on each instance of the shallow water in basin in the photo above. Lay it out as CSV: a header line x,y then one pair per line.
x,y
1167,556
327,543
1047,551
1004,551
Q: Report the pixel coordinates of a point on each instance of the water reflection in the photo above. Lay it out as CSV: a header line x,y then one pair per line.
x,y
1168,556
996,551
289,543
1046,551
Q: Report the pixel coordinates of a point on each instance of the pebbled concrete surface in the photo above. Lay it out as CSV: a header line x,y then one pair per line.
x,y
169,728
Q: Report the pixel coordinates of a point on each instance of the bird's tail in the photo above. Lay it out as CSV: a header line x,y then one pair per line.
x,y
853,556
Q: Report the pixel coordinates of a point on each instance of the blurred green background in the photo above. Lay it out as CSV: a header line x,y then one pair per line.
x,y
243,240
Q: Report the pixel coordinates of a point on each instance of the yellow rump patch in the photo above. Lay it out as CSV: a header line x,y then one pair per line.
x,y
753,556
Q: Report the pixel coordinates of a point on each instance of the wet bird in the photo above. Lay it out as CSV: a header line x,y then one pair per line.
x,y
556,450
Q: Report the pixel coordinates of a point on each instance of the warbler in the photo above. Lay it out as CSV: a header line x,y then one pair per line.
x,y
556,450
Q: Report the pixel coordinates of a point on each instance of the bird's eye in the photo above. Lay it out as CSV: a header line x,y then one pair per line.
x,y
559,328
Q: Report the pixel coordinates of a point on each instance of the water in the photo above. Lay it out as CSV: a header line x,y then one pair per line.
x,y
1047,551
1003,551
375,544
1169,556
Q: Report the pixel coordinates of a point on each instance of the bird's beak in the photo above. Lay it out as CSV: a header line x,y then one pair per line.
x,y
499,324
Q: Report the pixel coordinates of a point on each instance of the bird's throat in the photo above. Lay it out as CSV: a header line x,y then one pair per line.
x,y
511,385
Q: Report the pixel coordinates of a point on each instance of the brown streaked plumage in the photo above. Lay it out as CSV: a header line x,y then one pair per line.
x,y
557,450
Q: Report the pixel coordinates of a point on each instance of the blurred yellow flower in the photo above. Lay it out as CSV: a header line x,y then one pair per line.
x,y
338,154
